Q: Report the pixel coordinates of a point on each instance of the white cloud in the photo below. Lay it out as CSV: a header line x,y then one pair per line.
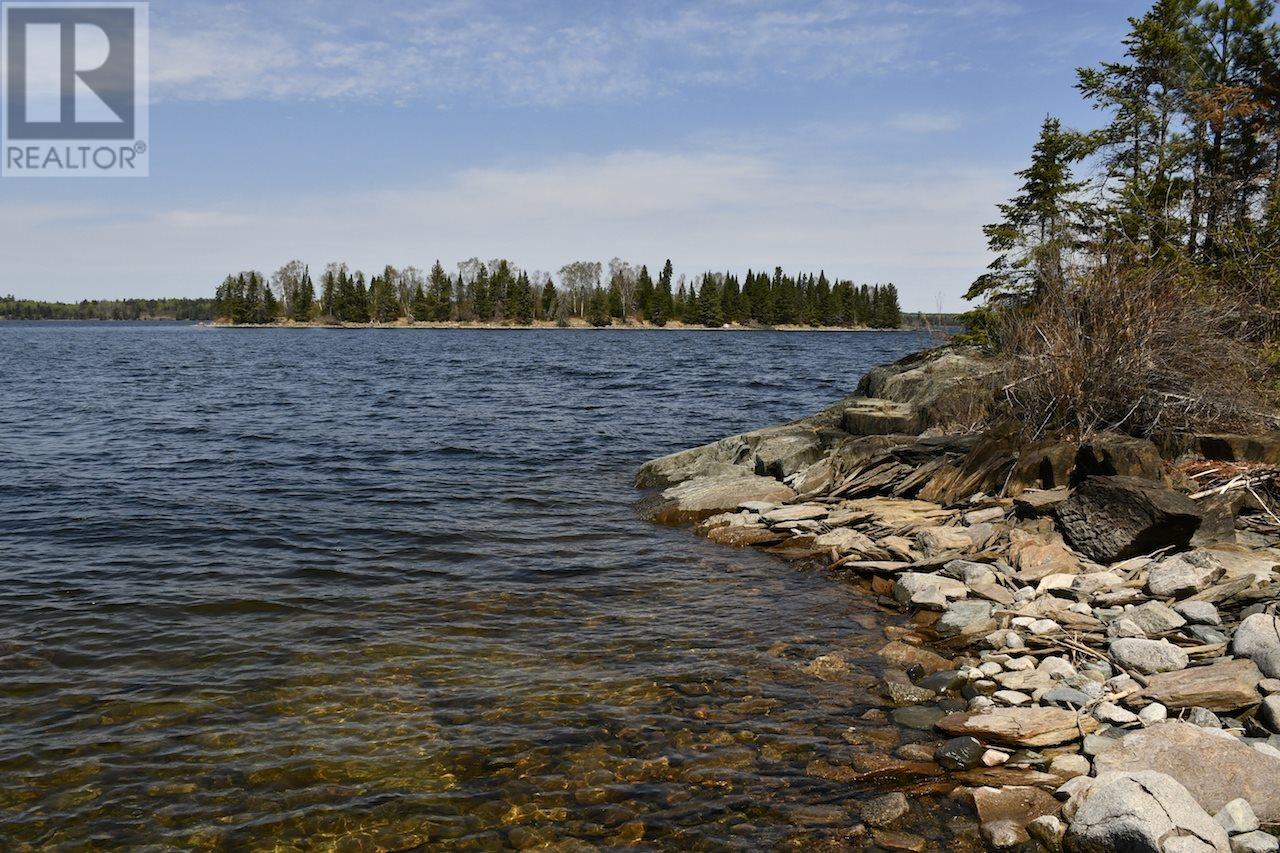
x,y
917,228
523,53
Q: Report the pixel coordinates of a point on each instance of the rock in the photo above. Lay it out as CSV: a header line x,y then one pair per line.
x,y
983,470
963,617
898,841
1020,726
1003,834
1066,697
994,758
1109,712
1223,686
961,753
904,656
845,540
921,590
1035,503
1154,618
1137,812
933,541
827,667
1202,717
886,810
982,516
781,456
1269,713
740,536
1215,768
1181,575
1069,766
1036,556
1148,656
1152,714
1255,842
1011,697
700,497
1237,817
907,694
920,717
1198,612
1008,810
947,385
1258,638
1114,518
873,416
1264,449
1125,627
1111,454
796,512
1048,830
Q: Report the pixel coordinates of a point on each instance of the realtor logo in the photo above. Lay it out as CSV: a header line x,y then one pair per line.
x,y
75,88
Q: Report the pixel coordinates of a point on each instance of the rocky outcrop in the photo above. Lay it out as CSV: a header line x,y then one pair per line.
x,y
1114,518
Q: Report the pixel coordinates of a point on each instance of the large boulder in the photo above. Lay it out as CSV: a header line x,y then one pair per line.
x,y
948,385
1212,765
702,497
1113,518
1258,639
1111,454
780,456
1138,813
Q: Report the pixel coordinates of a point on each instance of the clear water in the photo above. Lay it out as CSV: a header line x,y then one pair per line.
x,y
386,589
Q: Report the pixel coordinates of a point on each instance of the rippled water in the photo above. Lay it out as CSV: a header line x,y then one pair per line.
x,y
381,590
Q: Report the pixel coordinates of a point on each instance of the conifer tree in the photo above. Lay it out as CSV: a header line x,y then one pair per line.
x,y
661,309
710,310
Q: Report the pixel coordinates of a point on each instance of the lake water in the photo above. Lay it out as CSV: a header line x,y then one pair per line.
x,y
386,589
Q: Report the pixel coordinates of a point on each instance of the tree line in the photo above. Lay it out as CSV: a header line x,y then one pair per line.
x,y
12,308
497,291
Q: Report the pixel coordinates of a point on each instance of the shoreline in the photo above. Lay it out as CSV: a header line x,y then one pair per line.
x,y
552,326
1082,614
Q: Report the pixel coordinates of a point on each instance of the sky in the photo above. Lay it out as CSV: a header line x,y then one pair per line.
x,y
870,139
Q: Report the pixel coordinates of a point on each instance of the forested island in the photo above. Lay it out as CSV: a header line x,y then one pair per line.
x,y
12,308
498,292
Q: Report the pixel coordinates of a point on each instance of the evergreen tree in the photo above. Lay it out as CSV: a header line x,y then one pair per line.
x,y
710,310
439,290
644,294
599,308
548,298
661,309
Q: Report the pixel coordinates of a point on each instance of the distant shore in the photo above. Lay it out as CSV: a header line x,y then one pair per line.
x,y
574,324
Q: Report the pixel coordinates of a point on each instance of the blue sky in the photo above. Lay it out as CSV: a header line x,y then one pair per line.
x,y
869,138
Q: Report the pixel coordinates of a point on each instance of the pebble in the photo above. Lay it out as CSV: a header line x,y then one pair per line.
x,y
883,811
1152,714
1015,698
994,758
961,753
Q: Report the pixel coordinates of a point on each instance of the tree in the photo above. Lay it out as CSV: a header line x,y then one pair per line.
x,y
710,310
661,309
598,308
1038,225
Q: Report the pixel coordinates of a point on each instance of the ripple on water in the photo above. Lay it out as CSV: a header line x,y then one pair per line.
x,y
379,591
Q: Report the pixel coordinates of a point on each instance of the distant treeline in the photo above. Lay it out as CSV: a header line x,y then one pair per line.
x,y
499,292
12,308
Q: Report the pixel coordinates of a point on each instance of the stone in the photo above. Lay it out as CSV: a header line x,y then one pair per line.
x,y
1011,697
919,717
1034,503
1181,575
1227,685
796,512
1013,807
1020,726
1215,767
1258,638
933,541
1113,518
1125,627
1152,714
1269,713
994,758
780,456
1147,656
904,656
899,841
885,810
1003,834
1264,449
1198,612
961,753
942,682
1036,556
827,667
1237,817
982,516
962,617
1202,717
1155,618
1066,697
873,416
1255,842
1109,712
1069,766
701,497
921,590
1137,812
1111,454
907,694
1048,830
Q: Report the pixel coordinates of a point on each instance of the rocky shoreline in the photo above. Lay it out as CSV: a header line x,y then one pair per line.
x,y
1094,635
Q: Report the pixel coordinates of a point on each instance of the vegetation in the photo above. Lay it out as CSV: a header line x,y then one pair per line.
x,y
1137,272
499,292
12,308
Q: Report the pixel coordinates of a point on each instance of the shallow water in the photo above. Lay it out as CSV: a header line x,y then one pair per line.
x,y
386,589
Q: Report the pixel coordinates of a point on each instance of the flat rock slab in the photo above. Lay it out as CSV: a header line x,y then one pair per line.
x,y
1021,726
702,497
1214,768
872,416
1224,686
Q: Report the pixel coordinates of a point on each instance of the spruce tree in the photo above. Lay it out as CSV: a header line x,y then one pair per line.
x,y
660,311
710,309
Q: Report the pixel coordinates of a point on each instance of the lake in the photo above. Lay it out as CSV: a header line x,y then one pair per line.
x,y
387,589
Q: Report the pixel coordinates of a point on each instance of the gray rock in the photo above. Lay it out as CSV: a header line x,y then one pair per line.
x,y
873,416
1182,575
1258,638
961,616
1255,842
701,497
1137,813
1237,817
1113,518
1155,618
885,810
1066,697
1048,830
1152,714
921,590
1198,612
1125,627
1202,717
1269,713
1207,634
1148,656
781,456
1109,712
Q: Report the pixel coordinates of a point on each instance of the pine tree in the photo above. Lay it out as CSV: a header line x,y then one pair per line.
x,y
439,292
598,312
710,310
644,294
548,298
661,309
